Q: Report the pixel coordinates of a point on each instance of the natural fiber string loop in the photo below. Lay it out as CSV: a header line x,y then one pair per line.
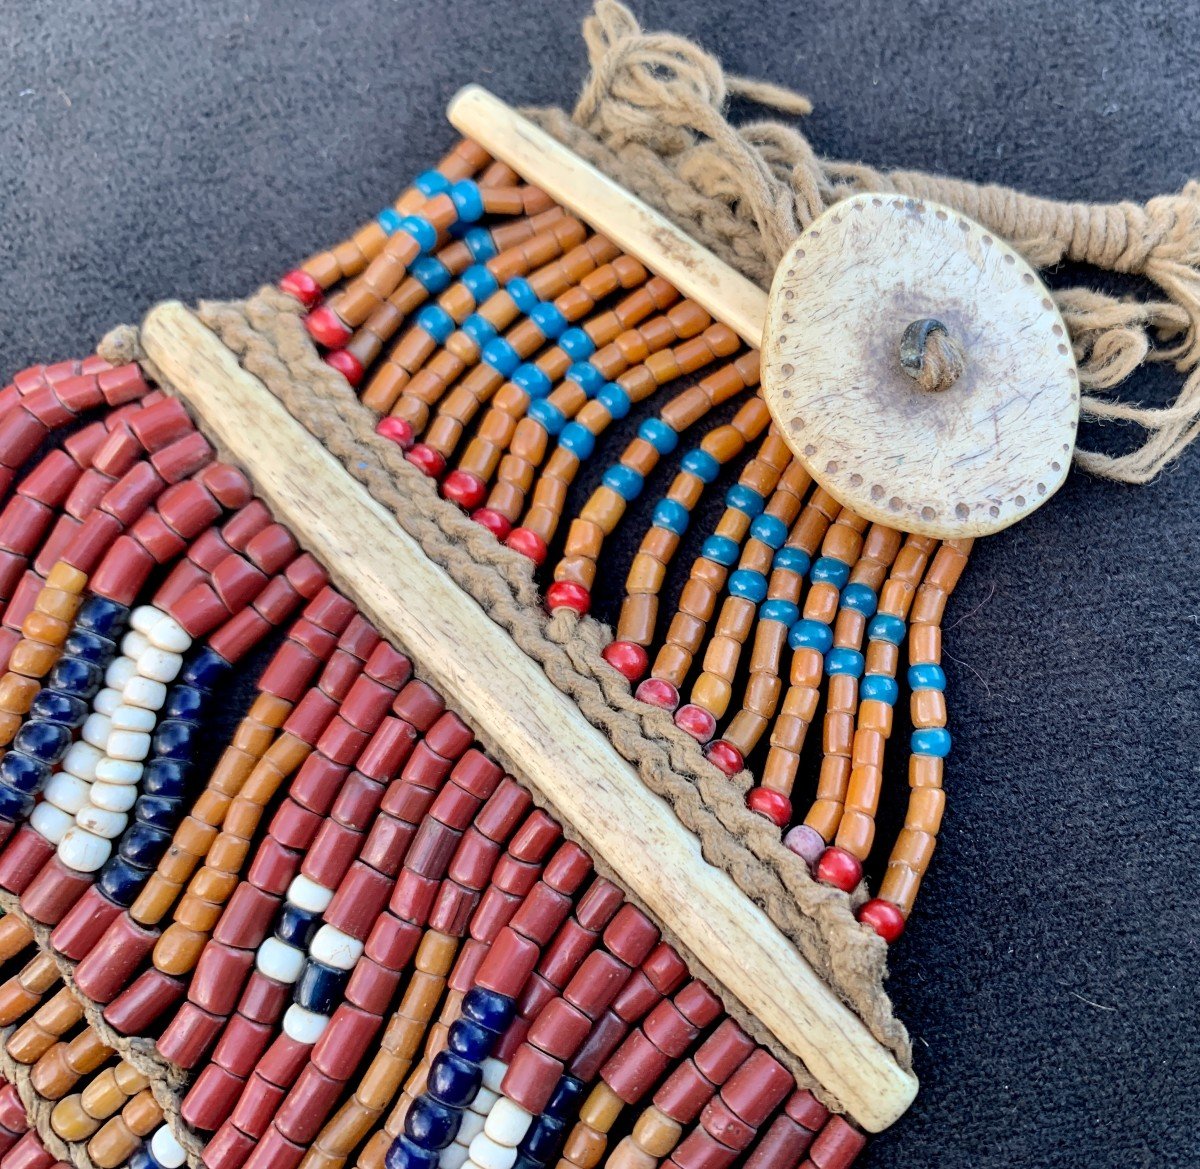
x,y
651,114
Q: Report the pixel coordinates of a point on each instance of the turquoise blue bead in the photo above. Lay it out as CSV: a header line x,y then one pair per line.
x,y
421,230
700,463
625,481
748,584
769,530
578,440
809,634
522,294
549,320
844,660
501,356
438,323
720,550
547,415
745,499
777,609
390,220
587,377
792,560
861,598
880,688
931,741
659,435
532,380
577,345
614,399
671,515
468,202
479,282
480,244
829,570
479,329
431,182
885,627
430,273
926,677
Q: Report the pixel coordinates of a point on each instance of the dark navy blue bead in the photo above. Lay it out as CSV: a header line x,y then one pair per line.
x,y
88,647
173,739
296,926
165,777
205,670
321,987
525,1161
454,1080
471,1040
143,844
156,811
183,702
121,882
51,706
566,1096
102,616
494,1011
431,1124
542,1140
42,740
403,1154
143,1160
22,773
14,805
75,676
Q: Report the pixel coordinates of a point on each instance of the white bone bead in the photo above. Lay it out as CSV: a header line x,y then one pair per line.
x,y
101,822
484,1099
169,635
489,1155
96,729
159,664
132,718
507,1123
166,1150
143,691
67,791
106,701
493,1073
82,759
306,894
50,822
118,771
114,797
471,1126
134,644
82,851
145,617
119,671
279,961
303,1026
453,1156
334,948
131,745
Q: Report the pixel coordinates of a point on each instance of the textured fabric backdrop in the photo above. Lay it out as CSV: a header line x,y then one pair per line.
x,y
1048,977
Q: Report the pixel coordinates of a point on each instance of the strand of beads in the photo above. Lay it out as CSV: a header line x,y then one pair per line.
x,y
322,271
436,323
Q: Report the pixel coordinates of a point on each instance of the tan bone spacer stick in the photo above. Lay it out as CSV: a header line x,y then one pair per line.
x,y
537,730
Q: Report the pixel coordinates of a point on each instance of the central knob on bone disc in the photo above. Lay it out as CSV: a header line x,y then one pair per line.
x,y
930,356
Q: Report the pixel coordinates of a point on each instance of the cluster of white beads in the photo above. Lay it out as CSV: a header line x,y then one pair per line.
x,y
492,1127
87,801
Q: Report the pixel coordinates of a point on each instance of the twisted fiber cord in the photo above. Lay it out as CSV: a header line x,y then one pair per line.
x,y
167,1082
267,335
651,115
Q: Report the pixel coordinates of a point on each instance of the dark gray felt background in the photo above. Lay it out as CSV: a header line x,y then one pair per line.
x,y
151,150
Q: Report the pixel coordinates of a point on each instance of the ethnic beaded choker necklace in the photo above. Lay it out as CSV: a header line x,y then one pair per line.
x,y
476,880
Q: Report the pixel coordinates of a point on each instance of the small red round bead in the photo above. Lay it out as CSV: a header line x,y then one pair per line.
x,y
883,917
426,459
397,430
303,287
627,657
774,805
725,757
839,867
487,517
346,364
658,692
465,489
528,543
566,594
327,328
701,724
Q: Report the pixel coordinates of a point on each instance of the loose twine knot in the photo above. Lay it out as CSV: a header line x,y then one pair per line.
x,y
652,114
